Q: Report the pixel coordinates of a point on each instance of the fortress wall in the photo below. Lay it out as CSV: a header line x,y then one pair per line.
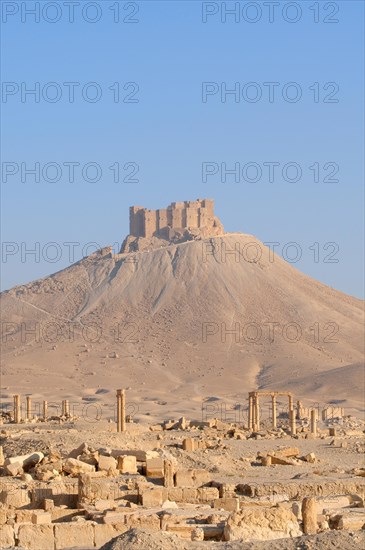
x,y
150,223
191,217
136,220
177,218
162,218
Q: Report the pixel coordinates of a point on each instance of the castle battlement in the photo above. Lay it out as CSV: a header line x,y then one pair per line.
x,y
178,215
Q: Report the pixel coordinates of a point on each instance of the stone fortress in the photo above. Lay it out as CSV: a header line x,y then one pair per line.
x,y
179,222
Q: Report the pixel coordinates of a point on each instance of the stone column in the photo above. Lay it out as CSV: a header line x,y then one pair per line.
x,y
45,410
257,413
120,410
168,480
293,427
273,409
290,403
29,408
16,408
299,410
67,407
313,421
309,513
250,412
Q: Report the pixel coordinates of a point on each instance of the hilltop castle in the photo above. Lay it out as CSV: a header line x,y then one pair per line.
x,y
179,222
179,215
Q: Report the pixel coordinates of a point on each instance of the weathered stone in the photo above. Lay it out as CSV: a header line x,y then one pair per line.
x,y
197,534
182,530
282,460
48,504
36,537
207,494
41,517
74,467
82,449
3,516
114,517
309,514
192,478
68,535
229,504
168,473
155,467
287,451
153,497
14,469
14,495
352,522
27,461
7,537
261,524
311,457
143,521
189,444
127,464
106,463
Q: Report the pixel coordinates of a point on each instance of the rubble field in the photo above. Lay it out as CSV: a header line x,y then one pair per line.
x,y
181,484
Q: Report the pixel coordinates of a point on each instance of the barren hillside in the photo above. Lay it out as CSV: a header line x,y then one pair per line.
x,y
181,324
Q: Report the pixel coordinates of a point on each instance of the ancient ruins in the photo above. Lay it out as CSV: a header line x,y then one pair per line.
x,y
179,222
164,477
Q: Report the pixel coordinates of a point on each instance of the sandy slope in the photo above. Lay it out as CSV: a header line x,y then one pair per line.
x,y
163,313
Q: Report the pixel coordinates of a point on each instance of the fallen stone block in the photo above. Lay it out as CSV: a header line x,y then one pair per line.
x,y
14,469
141,455
40,517
353,522
36,537
155,467
287,451
74,467
127,464
261,524
107,463
282,460
115,517
332,502
27,461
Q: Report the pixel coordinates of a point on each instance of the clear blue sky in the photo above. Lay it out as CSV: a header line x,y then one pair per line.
x,y
169,52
